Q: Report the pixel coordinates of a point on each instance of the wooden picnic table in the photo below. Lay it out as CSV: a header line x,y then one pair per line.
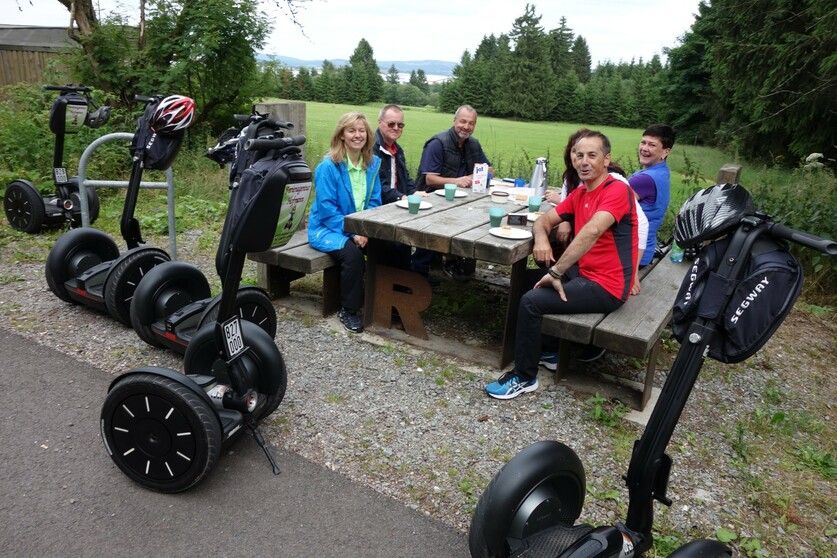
x,y
456,228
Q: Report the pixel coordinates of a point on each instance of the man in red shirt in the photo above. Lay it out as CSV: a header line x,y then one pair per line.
x,y
595,272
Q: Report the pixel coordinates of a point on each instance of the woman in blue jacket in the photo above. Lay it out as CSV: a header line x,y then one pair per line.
x,y
345,182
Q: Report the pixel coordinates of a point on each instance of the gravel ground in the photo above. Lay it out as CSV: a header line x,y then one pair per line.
x,y
417,426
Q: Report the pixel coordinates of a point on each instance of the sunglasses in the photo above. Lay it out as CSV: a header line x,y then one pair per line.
x,y
394,125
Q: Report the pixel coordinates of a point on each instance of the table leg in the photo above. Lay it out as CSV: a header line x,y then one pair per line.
x,y
516,290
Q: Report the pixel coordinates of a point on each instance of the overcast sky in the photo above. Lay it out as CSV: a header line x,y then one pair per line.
x,y
437,29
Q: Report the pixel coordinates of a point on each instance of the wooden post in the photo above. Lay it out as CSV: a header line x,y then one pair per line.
x,y
291,111
729,174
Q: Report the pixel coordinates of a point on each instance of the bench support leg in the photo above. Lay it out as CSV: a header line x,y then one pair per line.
x,y
276,281
650,371
416,299
563,359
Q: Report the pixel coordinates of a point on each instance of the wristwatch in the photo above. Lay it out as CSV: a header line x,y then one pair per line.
x,y
554,274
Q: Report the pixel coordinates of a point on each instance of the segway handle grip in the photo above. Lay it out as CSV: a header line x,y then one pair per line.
x,y
778,230
273,143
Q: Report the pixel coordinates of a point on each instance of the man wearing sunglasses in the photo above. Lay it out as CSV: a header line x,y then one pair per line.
x,y
396,183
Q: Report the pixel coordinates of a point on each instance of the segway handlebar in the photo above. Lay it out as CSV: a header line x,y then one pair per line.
x,y
778,230
273,143
145,98
68,88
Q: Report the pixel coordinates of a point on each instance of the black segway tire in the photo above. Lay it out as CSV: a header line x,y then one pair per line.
x,y
540,488
160,433
24,206
93,205
702,548
124,278
75,252
251,304
165,289
263,365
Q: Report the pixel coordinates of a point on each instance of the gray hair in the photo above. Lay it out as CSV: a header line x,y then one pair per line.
x,y
388,108
469,108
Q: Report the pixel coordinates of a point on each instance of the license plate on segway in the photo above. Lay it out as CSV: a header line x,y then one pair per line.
x,y
233,341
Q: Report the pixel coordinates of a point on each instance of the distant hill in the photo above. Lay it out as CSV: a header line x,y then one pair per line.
x,y
430,67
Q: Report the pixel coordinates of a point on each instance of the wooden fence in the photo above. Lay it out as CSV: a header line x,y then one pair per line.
x,y
26,65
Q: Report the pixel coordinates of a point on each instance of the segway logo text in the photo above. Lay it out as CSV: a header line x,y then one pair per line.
x,y
692,279
750,299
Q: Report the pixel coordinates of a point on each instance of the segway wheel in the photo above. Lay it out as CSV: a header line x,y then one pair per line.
x,y
160,433
124,278
251,304
165,289
540,488
263,367
75,252
93,206
24,206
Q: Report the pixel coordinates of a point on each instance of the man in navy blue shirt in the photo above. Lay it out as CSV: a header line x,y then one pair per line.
x,y
449,158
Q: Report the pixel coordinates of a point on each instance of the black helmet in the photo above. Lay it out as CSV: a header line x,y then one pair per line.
x,y
709,213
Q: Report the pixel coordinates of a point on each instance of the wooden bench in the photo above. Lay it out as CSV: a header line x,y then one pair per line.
x,y
278,267
633,330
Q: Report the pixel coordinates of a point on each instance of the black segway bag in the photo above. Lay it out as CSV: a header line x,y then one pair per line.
x,y
157,150
748,311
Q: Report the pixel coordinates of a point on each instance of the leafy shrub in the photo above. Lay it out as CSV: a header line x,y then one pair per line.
x,y
805,200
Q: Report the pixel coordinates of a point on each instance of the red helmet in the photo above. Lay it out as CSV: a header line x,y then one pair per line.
x,y
172,114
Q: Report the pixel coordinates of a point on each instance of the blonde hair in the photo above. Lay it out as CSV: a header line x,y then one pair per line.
x,y
337,151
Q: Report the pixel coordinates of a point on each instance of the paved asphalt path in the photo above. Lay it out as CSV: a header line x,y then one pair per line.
x,y
62,496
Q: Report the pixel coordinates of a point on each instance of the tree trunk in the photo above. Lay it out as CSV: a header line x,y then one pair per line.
x,y
82,14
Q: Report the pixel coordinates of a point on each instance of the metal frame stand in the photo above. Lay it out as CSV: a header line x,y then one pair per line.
x,y
84,184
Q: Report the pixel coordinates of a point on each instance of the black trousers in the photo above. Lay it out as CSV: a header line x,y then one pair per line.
x,y
353,263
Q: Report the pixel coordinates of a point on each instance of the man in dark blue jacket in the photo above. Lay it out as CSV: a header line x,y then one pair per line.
x,y
395,180
396,183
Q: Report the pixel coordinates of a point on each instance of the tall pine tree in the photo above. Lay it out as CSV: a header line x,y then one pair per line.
x,y
528,80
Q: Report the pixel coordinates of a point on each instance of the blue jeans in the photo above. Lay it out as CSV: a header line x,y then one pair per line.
x,y
583,296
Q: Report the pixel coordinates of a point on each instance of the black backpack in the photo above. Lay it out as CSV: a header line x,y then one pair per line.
x,y
749,310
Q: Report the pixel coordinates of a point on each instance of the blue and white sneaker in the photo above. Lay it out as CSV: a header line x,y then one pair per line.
x,y
510,386
549,361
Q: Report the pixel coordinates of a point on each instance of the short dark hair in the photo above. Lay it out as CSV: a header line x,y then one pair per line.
x,y
662,131
596,134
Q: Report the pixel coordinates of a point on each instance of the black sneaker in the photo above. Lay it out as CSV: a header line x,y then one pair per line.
x,y
351,321
455,270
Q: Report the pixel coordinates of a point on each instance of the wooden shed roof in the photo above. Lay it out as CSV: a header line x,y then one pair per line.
x,y
38,39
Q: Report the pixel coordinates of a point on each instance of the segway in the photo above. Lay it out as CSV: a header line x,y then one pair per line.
x,y
84,266
531,505
173,302
164,429
26,209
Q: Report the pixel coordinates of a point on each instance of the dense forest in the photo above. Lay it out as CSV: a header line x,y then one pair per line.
x,y
759,80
